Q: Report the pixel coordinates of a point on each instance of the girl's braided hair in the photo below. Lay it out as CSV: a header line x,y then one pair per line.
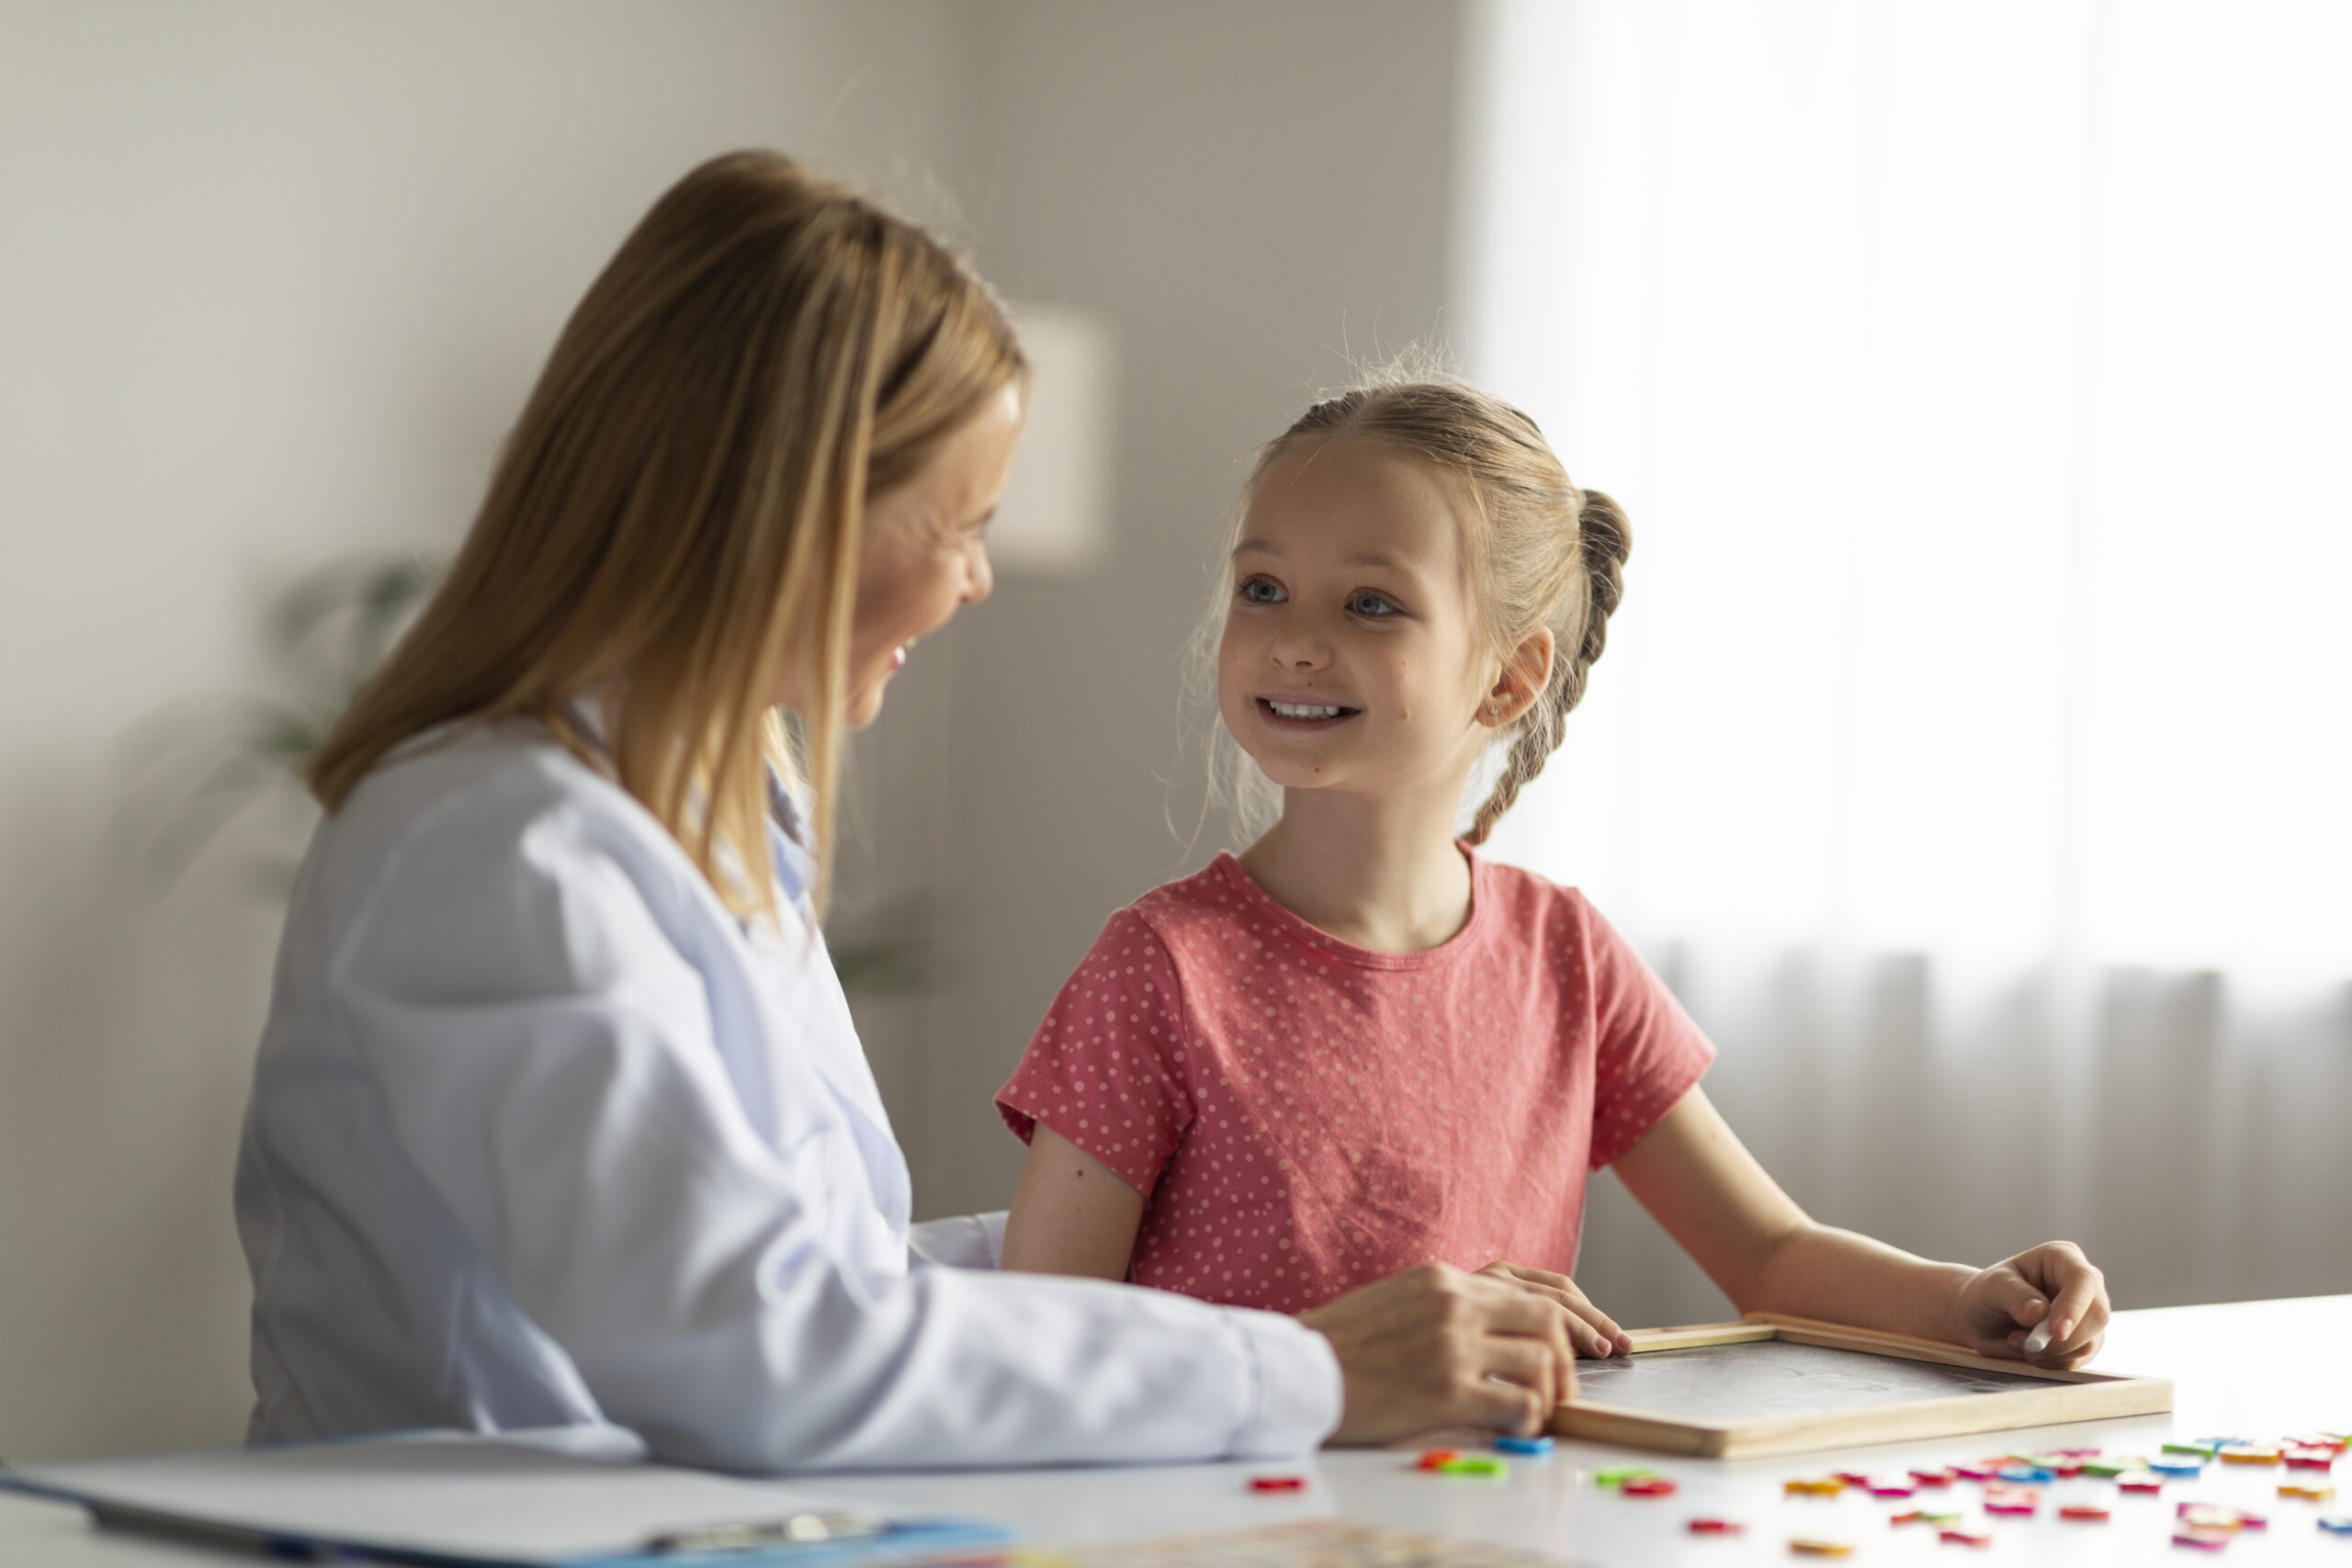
x,y
1540,551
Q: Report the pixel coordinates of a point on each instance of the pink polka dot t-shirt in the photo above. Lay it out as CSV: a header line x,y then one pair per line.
x,y
1304,1116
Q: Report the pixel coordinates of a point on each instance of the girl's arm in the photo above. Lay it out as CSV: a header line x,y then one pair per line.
x,y
1699,1182
1072,1214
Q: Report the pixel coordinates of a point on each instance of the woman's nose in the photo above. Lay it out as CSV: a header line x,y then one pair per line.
x,y
979,577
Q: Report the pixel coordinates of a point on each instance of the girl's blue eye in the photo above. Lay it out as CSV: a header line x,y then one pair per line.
x,y
1371,604
1258,590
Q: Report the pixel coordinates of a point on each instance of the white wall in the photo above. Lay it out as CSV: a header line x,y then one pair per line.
x,y
274,279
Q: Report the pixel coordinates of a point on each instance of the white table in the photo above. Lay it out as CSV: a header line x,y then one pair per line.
x,y
2260,1369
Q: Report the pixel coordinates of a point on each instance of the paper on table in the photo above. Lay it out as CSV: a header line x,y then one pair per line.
x,y
517,1498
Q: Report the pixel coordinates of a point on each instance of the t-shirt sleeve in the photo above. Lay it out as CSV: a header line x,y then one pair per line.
x,y
1103,1069
1648,1051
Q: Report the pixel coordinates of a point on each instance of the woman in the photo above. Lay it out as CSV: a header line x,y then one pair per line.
x,y
559,1116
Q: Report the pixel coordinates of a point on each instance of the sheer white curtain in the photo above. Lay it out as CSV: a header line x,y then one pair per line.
x,y
1973,749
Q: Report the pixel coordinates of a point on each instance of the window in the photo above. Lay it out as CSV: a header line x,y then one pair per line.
x,y
1979,382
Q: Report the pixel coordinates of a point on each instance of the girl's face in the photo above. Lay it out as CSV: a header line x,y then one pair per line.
x,y
1351,659
923,554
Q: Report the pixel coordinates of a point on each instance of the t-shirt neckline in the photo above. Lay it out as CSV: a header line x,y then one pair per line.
x,y
1454,947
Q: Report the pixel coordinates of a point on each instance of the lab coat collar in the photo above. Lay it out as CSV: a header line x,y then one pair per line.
x,y
791,861
805,996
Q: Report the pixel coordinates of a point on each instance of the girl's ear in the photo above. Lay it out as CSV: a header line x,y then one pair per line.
x,y
1524,675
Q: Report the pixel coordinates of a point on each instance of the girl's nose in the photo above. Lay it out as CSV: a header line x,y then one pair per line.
x,y
1296,647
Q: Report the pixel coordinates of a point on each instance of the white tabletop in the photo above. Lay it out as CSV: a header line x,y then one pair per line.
x,y
2261,1370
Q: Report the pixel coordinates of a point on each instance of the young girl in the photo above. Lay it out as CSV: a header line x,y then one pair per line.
x,y
1359,1045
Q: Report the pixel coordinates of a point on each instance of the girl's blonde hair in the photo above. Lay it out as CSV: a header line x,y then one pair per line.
x,y
1540,552
677,516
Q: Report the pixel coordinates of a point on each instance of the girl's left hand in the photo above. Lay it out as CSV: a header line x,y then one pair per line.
x,y
2004,1309
1592,1331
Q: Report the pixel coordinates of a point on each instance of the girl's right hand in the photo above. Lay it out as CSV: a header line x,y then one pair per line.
x,y
1592,1331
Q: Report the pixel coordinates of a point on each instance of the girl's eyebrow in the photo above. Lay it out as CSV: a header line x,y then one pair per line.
x,y
1362,558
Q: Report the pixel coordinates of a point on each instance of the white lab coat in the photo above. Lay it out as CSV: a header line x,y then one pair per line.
x,y
541,1133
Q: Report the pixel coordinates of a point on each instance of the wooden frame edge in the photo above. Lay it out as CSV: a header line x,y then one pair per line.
x,y
2070,1396
1693,1336
2060,1405
1838,1336
1628,1427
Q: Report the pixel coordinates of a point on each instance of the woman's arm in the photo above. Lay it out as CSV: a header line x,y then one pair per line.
x,y
1072,1214
1480,1350
1698,1181
517,1018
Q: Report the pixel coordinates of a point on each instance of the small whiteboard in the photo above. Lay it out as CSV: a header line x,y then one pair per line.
x,y
1777,1385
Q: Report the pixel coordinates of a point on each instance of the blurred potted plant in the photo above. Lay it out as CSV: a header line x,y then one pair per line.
x,y
211,768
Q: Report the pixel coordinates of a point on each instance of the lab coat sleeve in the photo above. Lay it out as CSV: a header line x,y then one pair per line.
x,y
965,1241
514,986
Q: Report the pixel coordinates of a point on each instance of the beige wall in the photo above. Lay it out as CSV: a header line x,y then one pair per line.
x,y
273,280
1250,193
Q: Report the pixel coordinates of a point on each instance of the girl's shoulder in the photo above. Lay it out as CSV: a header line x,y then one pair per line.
x,y
1205,903
1546,920
1524,896
1526,910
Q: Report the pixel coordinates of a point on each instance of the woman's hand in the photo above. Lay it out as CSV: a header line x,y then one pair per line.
x,y
2046,1305
1593,1332
1435,1346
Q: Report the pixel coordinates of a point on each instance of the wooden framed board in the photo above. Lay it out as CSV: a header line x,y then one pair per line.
x,y
1781,1386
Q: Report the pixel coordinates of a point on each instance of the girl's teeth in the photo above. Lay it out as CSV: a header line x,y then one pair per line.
x,y
1295,710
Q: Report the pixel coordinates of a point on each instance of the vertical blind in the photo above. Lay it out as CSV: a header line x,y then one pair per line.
x,y
1979,717
1979,380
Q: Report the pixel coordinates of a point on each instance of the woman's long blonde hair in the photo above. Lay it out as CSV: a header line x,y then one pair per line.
x,y
677,516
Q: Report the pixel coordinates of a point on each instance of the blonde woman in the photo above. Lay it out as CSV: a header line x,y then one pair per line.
x,y
559,1116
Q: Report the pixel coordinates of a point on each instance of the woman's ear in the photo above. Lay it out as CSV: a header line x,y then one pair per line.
x,y
1524,675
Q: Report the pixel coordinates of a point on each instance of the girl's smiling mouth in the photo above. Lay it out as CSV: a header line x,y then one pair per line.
x,y
1291,713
